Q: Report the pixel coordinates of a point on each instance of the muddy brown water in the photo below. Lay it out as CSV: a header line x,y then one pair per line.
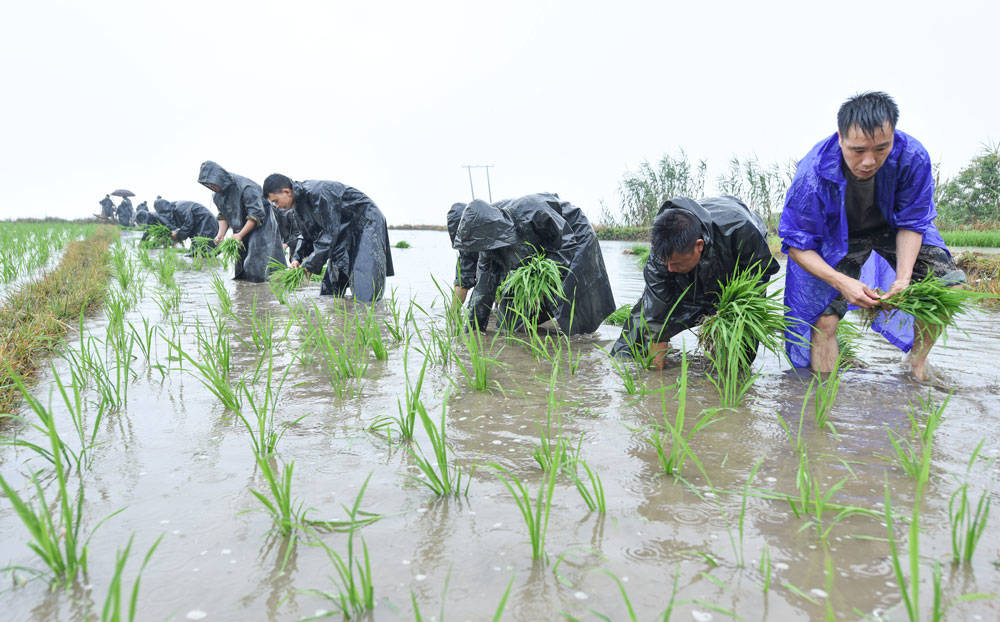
x,y
177,464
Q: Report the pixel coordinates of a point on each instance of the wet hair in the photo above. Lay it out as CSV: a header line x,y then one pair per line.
x,y
674,231
276,182
868,111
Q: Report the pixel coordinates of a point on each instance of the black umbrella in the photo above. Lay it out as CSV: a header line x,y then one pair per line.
x,y
121,192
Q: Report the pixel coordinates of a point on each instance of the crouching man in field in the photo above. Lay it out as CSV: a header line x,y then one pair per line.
x,y
468,261
507,233
869,187
241,206
695,246
339,227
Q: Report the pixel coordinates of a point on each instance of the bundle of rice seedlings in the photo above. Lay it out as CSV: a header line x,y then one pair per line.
x,y
847,335
157,236
284,279
745,316
528,288
202,248
618,316
641,251
229,250
930,301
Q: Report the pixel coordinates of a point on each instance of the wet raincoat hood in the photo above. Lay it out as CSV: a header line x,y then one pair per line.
x,y
454,218
484,227
508,232
814,218
212,173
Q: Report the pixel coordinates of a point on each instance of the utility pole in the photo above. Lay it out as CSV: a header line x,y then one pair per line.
x,y
489,188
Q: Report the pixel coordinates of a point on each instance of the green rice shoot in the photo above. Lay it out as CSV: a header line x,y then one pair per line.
x,y
746,317
229,250
157,236
202,247
930,301
285,280
618,316
401,244
528,289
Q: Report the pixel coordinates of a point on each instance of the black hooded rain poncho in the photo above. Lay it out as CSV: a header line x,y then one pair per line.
x,y
508,232
342,228
107,207
126,215
735,239
468,261
165,210
240,199
193,220
142,207
146,219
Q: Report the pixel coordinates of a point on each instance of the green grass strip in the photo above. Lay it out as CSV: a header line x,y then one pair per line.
x,y
34,319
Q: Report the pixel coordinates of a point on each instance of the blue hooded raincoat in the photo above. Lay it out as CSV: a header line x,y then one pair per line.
x,y
814,218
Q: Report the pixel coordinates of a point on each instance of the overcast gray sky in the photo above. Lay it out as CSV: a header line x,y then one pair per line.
x,y
393,97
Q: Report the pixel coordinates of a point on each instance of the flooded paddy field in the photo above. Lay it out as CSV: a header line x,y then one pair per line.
x,y
769,516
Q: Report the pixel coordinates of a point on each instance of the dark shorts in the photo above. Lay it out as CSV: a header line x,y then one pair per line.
x,y
932,259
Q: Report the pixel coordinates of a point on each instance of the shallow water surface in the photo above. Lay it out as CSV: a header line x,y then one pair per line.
x,y
177,464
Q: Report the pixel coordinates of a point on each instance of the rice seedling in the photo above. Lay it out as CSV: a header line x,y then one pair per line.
x,y
619,315
968,523
535,518
125,271
910,449
286,513
354,581
641,252
746,317
477,372
284,280
443,478
397,322
528,289
144,337
202,248
765,568
848,335
229,251
225,300
594,495
261,328
672,444
367,332
156,236
264,431
114,610
212,364
166,266
824,392
930,301
408,414
401,244
55,539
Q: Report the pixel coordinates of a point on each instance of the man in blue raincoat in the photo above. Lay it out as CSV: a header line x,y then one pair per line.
x,y
869,187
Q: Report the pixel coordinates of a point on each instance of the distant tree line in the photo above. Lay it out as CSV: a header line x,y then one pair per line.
x,y
970,199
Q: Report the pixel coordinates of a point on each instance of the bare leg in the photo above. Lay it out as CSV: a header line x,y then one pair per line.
x,y
924,336
824,352
460,294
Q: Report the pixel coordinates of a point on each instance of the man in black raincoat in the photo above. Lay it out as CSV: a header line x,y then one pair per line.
x,y
508,232
192,220
339,227
165,210
126,215
696,246
468,261
142,207
241,206
107,207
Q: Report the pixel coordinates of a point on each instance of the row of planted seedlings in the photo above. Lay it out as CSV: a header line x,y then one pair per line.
x,y
98,371
747,316
340,349
94,384
29,245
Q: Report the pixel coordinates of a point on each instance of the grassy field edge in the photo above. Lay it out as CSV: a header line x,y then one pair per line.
x,y
34,319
